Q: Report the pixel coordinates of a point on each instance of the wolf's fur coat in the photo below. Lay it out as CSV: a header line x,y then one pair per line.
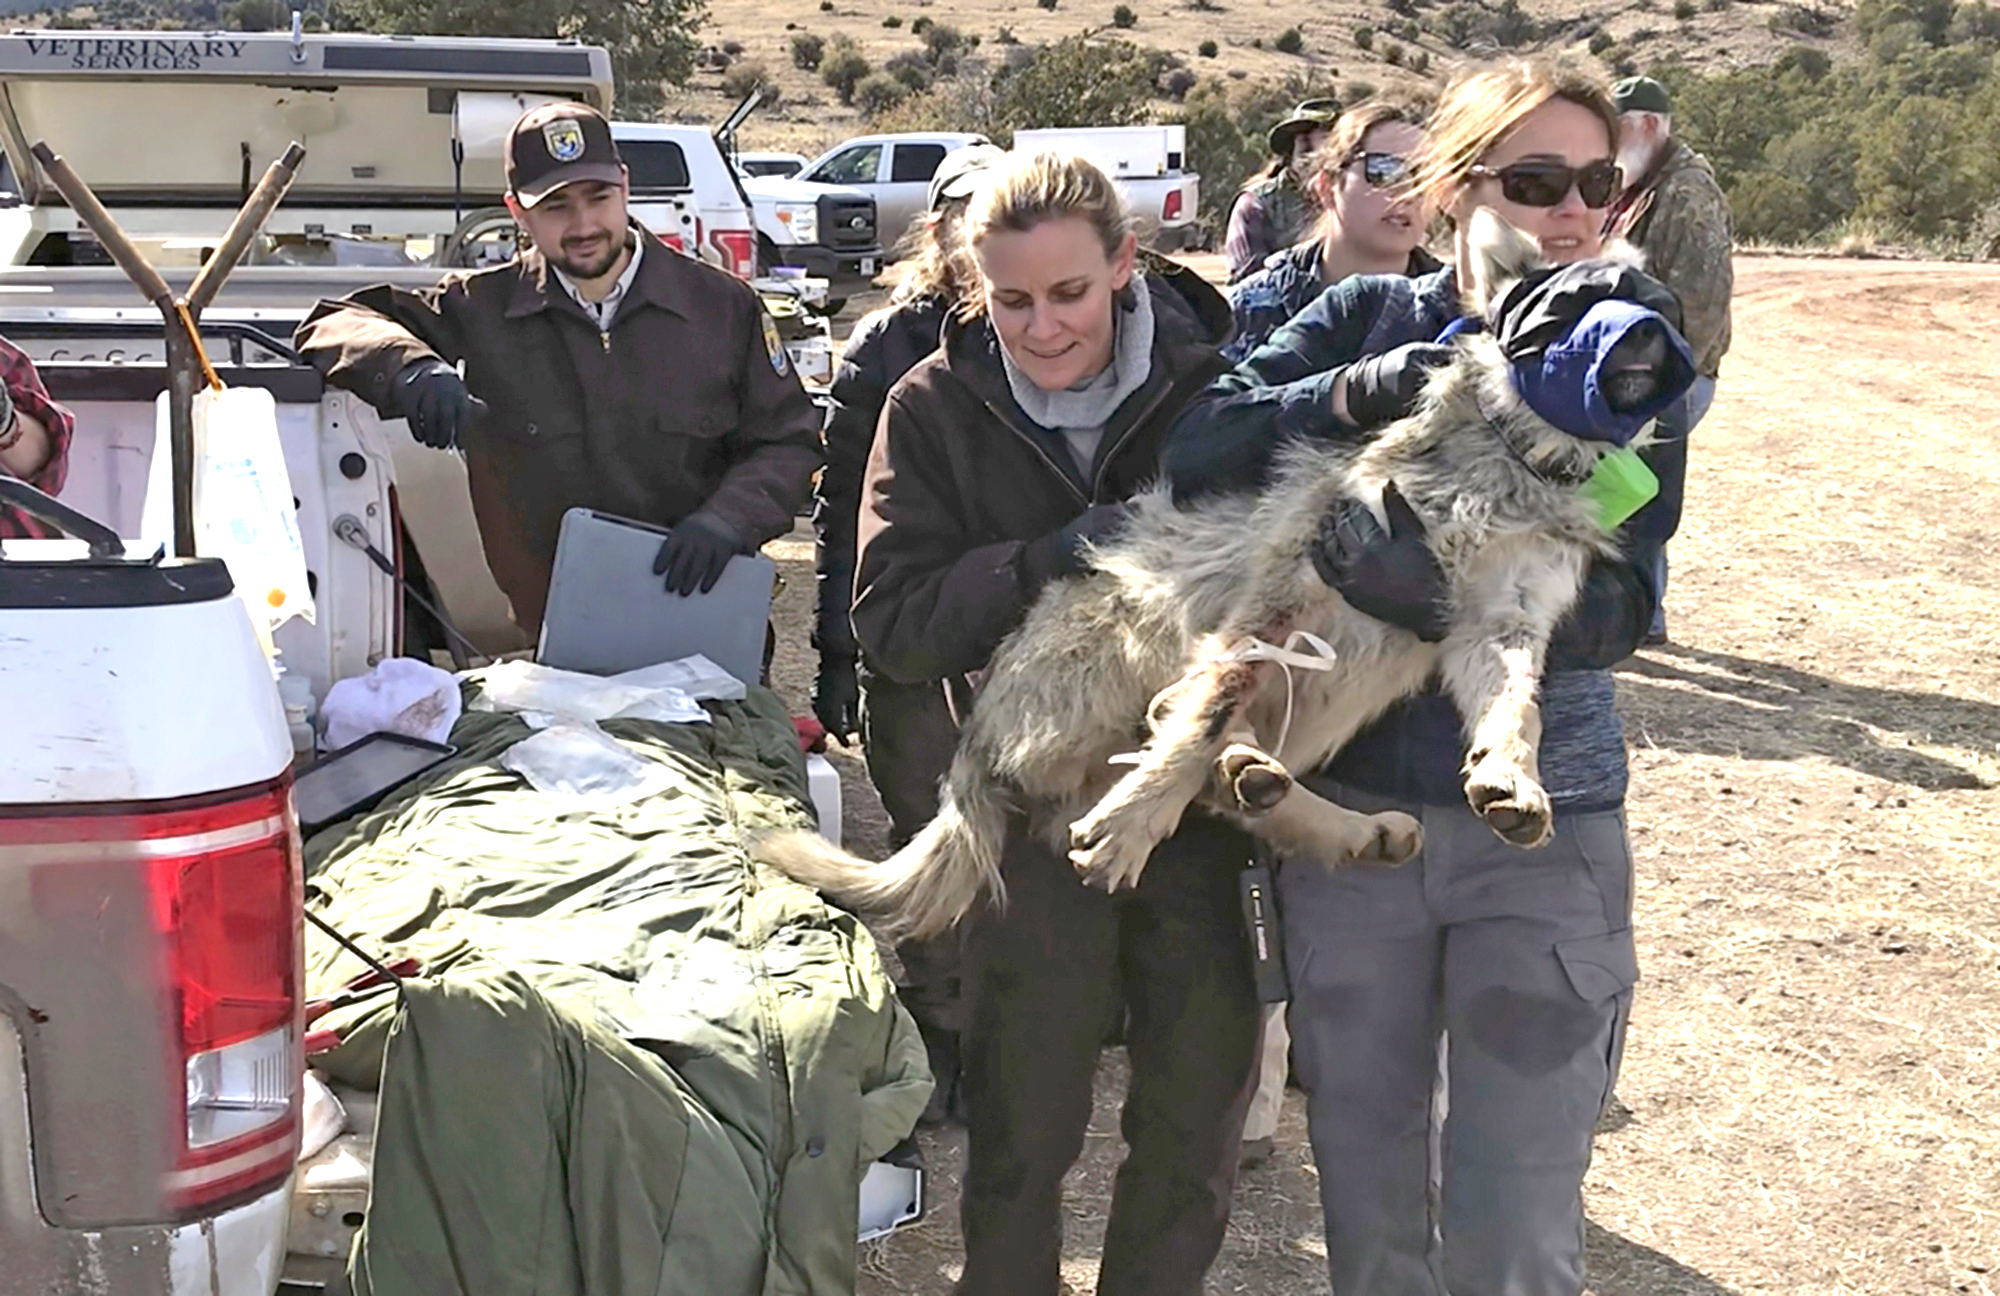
x,y
1146,653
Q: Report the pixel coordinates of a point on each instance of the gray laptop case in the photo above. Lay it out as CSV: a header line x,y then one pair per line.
x,y
608,613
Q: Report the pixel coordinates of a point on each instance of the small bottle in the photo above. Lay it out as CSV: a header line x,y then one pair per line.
x,y
295,691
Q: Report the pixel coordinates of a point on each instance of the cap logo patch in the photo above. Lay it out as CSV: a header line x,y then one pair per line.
x,y
564,138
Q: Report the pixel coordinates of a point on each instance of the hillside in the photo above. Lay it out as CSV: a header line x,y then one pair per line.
x,y
1720,34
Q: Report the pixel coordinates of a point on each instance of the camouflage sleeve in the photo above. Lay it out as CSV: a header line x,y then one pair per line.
x,y
1688,249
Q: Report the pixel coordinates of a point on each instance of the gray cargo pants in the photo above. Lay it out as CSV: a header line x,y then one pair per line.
x,y
1524,960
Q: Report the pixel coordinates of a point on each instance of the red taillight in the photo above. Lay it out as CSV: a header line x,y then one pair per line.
x,y
1172,206
674,241
738,249
219,882
226,897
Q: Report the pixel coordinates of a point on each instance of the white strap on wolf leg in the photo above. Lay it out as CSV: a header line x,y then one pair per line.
x,y
1319,657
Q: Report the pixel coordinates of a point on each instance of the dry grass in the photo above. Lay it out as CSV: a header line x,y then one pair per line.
x,y
1811,1095
810,117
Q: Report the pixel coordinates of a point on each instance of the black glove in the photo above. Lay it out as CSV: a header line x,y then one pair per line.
x,y
1060,553
695,552
836,696
1384,388
1390,575
435,401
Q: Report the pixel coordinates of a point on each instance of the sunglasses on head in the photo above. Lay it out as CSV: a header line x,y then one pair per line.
x,y
1382,170
1544,184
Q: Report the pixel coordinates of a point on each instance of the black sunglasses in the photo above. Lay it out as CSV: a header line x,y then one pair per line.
x,y
1544,184
1382,170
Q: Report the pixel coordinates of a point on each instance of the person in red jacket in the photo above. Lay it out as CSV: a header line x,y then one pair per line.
x,y
34,439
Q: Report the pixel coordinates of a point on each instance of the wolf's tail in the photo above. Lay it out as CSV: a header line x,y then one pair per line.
x,y
929,884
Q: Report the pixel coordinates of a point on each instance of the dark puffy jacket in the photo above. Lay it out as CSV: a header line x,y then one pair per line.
x,y
1287,283
1227,439
964,494
884,346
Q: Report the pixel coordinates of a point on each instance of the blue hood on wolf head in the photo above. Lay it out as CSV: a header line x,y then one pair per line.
x,y
1569,383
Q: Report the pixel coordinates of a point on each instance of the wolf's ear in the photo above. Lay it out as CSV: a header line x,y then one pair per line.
x,y
1501,257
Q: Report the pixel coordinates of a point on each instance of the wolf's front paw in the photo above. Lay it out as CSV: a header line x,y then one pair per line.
x,y
1510,800
1392,838
1110,845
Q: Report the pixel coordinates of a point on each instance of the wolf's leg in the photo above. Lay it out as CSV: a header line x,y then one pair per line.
x,y
1308,825
1246,779
1110,844
1494,679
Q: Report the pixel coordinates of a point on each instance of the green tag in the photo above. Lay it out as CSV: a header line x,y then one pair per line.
x,y
1619,486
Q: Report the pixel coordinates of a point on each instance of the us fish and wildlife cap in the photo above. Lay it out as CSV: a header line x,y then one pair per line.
x,y
560,144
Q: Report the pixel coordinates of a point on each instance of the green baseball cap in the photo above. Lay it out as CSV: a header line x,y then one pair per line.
x,y
1641,94
1310,115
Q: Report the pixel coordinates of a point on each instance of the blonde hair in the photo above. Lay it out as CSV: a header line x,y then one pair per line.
x,y
1022,191
1482,105
931,258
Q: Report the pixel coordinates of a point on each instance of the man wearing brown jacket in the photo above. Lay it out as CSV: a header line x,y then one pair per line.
x,y
601,370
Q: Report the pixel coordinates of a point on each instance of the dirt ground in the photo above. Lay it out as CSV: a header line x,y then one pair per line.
x,y
1811,1095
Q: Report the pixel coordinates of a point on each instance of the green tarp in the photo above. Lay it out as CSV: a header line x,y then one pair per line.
x,y
634,1062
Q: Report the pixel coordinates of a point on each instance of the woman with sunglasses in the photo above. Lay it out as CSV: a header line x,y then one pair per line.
x,y
1517,966
1370,223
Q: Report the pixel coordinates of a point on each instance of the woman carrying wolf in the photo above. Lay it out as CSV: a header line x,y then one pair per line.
x,y
997,459
1522,960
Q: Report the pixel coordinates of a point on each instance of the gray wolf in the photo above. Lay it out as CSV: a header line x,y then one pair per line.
x,y
1201,660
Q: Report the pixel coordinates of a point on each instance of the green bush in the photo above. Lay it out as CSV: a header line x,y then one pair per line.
x,y
807,52
843,68
1364,37
744,78
1393,53
1290,41
921,25
892,22
910,68
879,93
1600,41
941,40
1208,49
733,48
1684,10
1006,36
1123,17
1076,81
826,6
1046,4
1420,62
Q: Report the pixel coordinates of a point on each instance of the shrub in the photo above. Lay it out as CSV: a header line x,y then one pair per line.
x,y
1077,81
942,39
1179,82
1290,41
807,51
1006,36
1256,42
1364,36
921,25
844,68
1406,28
745,78
1684,10
826,6
1237,74
892,22
1123,16
1355,91
910,68
1600,41
1046,4
1393,53
879,93
1420,62
1208,49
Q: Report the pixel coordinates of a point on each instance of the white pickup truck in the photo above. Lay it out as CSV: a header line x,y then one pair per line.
x,y
1148,162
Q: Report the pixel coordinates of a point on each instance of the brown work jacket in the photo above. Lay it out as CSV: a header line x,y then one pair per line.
x,y
688,401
